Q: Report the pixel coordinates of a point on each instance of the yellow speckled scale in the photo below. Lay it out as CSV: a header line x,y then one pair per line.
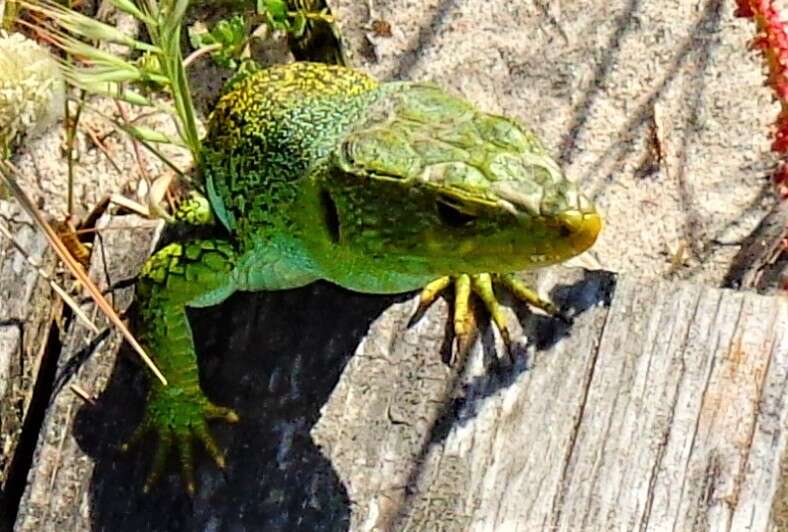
x,y
255,105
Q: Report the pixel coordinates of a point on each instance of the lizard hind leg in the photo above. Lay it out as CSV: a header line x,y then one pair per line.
x,y
196,273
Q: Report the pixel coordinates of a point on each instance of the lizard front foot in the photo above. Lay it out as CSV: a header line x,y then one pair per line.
x,y
482,285
179,417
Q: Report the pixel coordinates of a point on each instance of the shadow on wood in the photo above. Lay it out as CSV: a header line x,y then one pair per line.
x,y
542,333
662,403
256,358
275,358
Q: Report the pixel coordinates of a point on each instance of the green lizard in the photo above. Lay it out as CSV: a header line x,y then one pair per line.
x,y
321,172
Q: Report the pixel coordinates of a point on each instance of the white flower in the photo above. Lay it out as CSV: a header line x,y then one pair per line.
x,y
31,88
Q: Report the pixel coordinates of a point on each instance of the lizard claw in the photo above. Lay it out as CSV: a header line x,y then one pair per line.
x,y
159,459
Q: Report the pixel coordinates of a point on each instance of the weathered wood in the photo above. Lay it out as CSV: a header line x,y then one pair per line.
x,y
59,480
27,306
762,263
662,403
665,410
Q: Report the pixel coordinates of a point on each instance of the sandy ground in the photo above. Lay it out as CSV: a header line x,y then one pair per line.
x,y
657,108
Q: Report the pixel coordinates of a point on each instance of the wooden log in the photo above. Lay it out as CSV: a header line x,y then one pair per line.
x,y
664,410
663,403
59,479
762,262
27,306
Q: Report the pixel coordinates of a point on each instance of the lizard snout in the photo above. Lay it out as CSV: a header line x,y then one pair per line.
x,y
584,227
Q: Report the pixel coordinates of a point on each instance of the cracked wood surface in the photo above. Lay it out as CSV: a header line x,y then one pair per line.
x,y
662,405
59,480
27,306
665,409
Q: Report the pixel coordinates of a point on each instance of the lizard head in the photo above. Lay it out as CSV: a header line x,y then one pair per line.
x,y
429,181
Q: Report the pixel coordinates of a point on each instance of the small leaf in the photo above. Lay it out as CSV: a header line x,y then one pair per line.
x,y
128,6
276,9
149,135
230,34
275,12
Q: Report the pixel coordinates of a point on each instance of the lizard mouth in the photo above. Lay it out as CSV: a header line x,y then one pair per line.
x,y
583,228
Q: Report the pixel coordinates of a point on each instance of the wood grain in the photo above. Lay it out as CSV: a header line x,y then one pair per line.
x,y
662,405
27,306
664,410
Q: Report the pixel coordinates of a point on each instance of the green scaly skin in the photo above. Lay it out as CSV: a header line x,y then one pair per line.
x,y
321,172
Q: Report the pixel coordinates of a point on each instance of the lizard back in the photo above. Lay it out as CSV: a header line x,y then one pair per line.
x,y
267,130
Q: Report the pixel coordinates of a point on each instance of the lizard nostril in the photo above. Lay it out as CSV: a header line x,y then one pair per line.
x,y
581,228
585,229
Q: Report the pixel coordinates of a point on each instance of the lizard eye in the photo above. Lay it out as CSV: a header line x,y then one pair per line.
x,y
452,216
330,215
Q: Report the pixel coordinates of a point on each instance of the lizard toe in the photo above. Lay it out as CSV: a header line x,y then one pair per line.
x,y
160,455
483,286
178,420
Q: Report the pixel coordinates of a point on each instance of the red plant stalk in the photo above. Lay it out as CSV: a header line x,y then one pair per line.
x,y
772,40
